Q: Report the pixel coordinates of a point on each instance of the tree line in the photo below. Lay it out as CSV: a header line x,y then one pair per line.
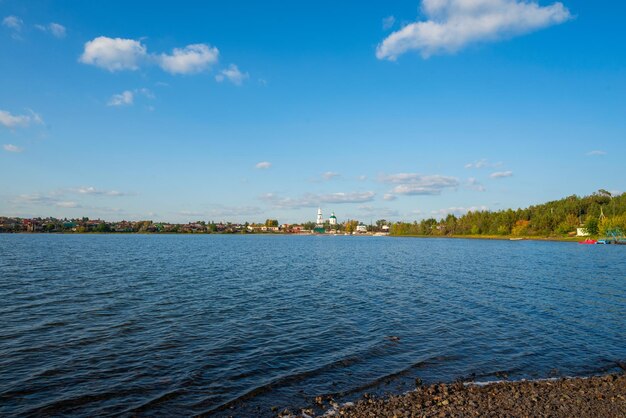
x,y
599,213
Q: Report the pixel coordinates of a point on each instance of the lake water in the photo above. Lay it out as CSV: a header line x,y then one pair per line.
x,y
178,325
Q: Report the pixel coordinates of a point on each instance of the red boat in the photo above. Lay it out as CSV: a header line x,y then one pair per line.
x,y
588,241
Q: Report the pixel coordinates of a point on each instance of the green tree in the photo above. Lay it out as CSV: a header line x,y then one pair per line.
x,y
592,226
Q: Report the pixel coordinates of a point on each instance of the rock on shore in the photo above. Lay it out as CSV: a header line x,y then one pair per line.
x,y
603,396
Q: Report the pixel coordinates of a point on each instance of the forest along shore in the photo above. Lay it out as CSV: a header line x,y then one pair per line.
x,y
599,396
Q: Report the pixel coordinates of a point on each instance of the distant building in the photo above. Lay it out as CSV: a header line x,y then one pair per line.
x,y
582,232
319,223
333,219
361,228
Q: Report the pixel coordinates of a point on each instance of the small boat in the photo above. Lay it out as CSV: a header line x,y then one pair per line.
x,y
588,241
516,239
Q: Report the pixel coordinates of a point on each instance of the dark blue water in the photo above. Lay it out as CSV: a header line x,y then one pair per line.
x,y
183,325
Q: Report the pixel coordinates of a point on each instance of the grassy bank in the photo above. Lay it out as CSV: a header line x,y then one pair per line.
x,y
496,237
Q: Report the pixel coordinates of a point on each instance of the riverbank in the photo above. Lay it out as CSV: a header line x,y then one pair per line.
x,y
600,396
497,237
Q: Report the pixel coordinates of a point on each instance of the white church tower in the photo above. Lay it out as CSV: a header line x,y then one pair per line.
x,y
333,219
320,220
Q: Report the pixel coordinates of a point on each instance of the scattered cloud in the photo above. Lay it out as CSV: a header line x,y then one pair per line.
x,y
145,92
114,54
329,175
119,54
219,211
67,204
125,98
12,148
474,184
596,153
65,198
451,25
263,165
361,178
44,200
55,29
33,198
388,22
378,212
458,211
191,59
191,213
19,121
13,22
313,200
417,184
233,75
97,192
483,163
389,197
501,174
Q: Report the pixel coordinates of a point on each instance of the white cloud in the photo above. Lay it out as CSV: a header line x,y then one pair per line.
x,y
97,192
377,212
146,92
329,175
125,98
233,75
55,29
117,54
67,204
220,211
458,211
361,177
483,163
44,200
453,24
13,22
14,121
596,153
474,184
388,22
313,200
114,54
389,197
501,174
263,165
12,148
417,184
193,58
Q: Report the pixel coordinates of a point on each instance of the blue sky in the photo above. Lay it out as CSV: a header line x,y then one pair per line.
x,y
249,110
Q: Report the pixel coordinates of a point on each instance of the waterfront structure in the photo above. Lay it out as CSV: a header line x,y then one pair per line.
x,y
582,232
333,219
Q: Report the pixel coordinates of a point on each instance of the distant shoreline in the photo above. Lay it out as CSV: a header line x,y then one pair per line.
x,y
472,237
496,237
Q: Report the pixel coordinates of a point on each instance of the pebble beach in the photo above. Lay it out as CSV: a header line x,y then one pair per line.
x,y
599,396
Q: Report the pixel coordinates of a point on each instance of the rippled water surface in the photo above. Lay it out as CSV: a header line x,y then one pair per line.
x,y
215,324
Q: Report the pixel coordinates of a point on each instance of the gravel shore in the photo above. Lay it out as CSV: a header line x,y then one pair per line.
x,y
603,396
